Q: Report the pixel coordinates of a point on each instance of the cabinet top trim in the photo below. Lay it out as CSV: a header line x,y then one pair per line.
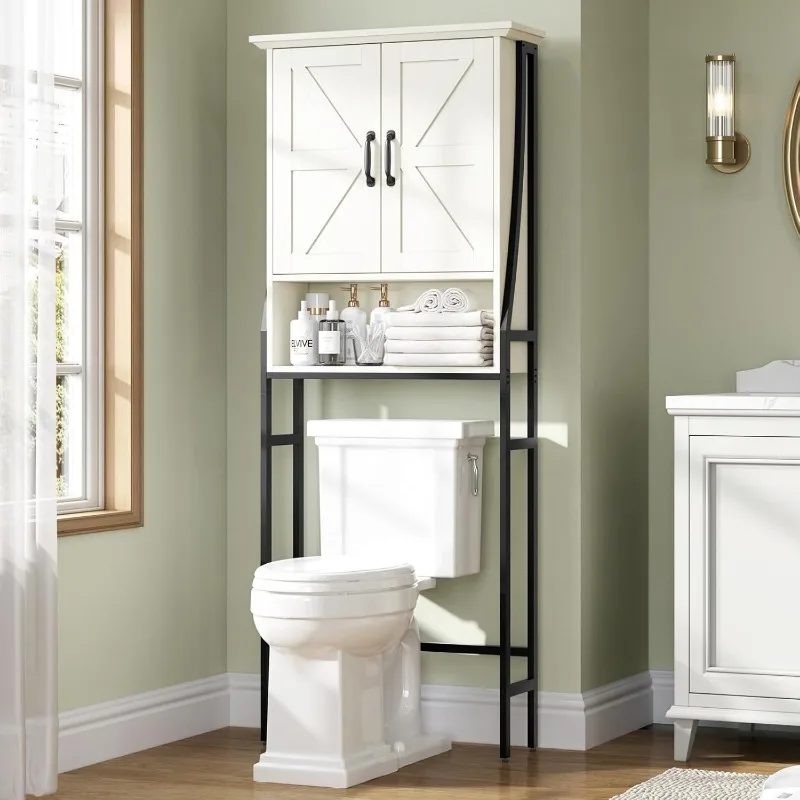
x,y
472,30
735,404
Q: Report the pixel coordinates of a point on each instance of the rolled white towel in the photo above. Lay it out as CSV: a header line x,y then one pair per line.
x,y
472,333
456,301
438,346
452,319
437,360
431,300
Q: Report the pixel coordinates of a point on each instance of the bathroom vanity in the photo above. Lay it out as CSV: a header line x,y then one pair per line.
x,y
737,561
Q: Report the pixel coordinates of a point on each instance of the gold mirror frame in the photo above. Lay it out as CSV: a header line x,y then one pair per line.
x,y
791,158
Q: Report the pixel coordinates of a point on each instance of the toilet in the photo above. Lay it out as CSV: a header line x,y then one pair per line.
x,y
400,506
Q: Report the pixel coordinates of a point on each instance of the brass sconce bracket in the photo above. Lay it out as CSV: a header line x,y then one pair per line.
x,y
741,152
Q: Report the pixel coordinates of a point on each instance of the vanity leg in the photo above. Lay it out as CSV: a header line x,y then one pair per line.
x,y
685,729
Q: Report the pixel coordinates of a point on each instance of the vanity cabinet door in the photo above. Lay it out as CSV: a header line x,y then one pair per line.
x,y
438,100
744,566
324,216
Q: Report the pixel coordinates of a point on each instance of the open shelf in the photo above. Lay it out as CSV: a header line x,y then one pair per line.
x,y
310,373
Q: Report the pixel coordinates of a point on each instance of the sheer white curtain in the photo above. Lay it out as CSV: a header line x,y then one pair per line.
x,y
28,600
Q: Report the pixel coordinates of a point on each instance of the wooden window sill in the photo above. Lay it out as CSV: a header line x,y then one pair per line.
x,y
96,521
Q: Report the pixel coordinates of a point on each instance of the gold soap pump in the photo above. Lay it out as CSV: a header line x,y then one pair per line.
x,y
353,317
383,308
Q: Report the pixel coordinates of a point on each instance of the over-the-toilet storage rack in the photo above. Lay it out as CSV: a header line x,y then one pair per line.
x,y
407,156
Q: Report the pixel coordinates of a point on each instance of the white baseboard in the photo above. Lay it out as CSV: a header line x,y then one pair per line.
x,y
663,694
117,728
618,708
245,700
567,721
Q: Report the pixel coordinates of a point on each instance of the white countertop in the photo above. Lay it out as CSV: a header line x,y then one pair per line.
x,y
735,404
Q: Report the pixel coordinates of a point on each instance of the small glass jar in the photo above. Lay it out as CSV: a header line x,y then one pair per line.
x,y
369,344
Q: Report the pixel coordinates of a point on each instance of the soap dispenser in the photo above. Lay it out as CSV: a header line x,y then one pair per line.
x,y
379,313
331,338
354,318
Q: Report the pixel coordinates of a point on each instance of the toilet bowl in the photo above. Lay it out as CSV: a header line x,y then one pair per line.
x,y
344,670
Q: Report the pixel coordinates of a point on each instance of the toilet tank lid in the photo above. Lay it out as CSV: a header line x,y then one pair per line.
x,y
400,428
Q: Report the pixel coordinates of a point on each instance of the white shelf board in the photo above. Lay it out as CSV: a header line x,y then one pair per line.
x,y
384,277
324,372
471,30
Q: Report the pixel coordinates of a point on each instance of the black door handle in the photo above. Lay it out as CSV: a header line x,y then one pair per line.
x,y
390,137
368,157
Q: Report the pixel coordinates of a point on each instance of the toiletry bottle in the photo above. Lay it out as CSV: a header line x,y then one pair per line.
x,y
331,339
303,335
317,303
379,313
353,317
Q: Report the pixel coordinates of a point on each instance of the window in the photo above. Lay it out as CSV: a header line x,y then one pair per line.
x,y
99,88
79,268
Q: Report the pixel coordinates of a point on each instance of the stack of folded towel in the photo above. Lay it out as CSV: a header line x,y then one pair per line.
x,y
439,338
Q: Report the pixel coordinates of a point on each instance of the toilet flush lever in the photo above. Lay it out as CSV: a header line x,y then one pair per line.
x,y
475,474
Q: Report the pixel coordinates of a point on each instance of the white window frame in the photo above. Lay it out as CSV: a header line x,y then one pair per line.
x,y
88,403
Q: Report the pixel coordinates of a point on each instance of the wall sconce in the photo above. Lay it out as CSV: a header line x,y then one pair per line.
x,y
727,150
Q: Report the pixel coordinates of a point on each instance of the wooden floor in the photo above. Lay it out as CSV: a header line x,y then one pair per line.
x,y
218,766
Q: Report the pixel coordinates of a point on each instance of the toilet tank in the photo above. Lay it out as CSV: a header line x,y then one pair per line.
x,y
409,490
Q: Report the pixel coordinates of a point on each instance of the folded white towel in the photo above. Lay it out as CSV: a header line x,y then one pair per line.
x,y
438,346
472,334
431,300
454,319
455,301
437,360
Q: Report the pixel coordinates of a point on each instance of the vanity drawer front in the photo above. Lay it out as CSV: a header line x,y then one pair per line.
x,y
744,566
774,705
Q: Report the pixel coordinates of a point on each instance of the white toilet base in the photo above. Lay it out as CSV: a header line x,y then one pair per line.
x,y
421,747
332,773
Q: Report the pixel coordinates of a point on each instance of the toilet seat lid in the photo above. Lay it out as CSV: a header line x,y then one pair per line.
x,y
332,575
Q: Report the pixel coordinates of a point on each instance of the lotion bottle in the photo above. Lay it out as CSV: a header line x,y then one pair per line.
x,y
353,317
379,313
302,336
331,339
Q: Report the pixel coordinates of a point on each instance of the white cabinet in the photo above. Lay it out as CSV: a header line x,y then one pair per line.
x,y
737,561
389,158
383,157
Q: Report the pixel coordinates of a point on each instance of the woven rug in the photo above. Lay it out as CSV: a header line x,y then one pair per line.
x,y
697,784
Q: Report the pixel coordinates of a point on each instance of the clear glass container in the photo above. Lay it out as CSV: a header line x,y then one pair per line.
x,y
370,344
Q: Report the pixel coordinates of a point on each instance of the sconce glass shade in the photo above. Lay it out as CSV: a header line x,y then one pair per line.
x,y
721,127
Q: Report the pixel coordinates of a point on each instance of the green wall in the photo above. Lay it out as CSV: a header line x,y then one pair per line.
x,y
145,608
724,256
614,297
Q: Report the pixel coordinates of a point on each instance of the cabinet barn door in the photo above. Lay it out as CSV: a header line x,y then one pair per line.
x,y
325,218
744,566
438,98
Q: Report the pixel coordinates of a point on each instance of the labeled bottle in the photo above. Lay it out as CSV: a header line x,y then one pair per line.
x,y
302,337
331,339
378,314
355,319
